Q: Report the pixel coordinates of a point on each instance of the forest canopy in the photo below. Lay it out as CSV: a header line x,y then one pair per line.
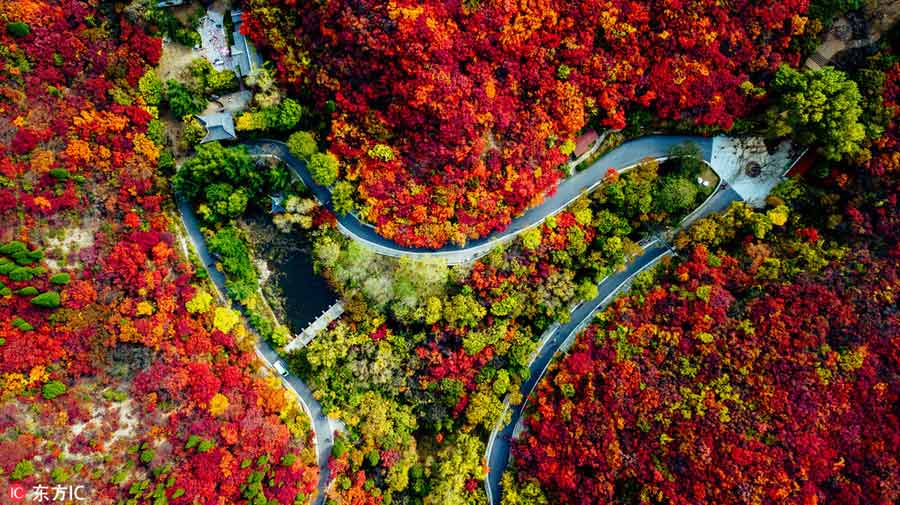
x,y
477,102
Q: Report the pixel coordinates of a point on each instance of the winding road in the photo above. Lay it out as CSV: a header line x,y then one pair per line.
x,y
497,453
625,156
621,158
319,422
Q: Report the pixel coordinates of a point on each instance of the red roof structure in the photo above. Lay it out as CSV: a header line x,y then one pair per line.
x,y
584,142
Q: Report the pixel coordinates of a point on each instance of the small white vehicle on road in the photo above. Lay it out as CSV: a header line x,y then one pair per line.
x,y
280,368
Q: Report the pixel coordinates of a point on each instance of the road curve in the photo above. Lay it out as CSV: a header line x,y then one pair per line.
x,y
497,453
626,155
318,421
568,190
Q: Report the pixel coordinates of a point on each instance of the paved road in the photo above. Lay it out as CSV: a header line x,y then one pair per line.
x,y
320,425
498,444
624,156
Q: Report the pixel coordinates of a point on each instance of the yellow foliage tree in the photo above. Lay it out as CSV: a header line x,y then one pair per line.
x,y
225,319
779,215
199,303
144,308
218,404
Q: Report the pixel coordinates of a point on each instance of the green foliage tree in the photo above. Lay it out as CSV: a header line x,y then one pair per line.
x,y
531,238
223,202
286,116
689,157
302,144
183,102
517,493
213,162
205,79
587,290
342,197
326,251
193,132
24,468
242,278
381,152
53,389
151,87
458,464
339,448
60,279
675,194
27,291
463,310
47,300
817,107
827,10
156,130
18,29
200,303
324,168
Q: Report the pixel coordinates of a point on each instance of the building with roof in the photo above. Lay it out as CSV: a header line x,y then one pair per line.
x,y
244,58
277,204
584,143
219,126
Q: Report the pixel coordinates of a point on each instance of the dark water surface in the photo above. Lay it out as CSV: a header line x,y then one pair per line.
x,y
306,294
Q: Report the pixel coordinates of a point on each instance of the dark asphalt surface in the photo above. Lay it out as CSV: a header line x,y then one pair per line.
x,y
498,456
628,154
320,425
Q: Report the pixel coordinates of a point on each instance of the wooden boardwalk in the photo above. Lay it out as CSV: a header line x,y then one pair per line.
x,y
309,333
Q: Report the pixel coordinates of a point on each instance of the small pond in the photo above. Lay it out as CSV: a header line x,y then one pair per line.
x,y
306,295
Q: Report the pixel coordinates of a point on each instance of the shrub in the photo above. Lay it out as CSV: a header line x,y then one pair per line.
x,y
302,145
28,291
48,300
53,389
60,279
18,29
324,168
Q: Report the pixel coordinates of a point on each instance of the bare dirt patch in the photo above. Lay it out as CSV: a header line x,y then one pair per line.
x,y
175,58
